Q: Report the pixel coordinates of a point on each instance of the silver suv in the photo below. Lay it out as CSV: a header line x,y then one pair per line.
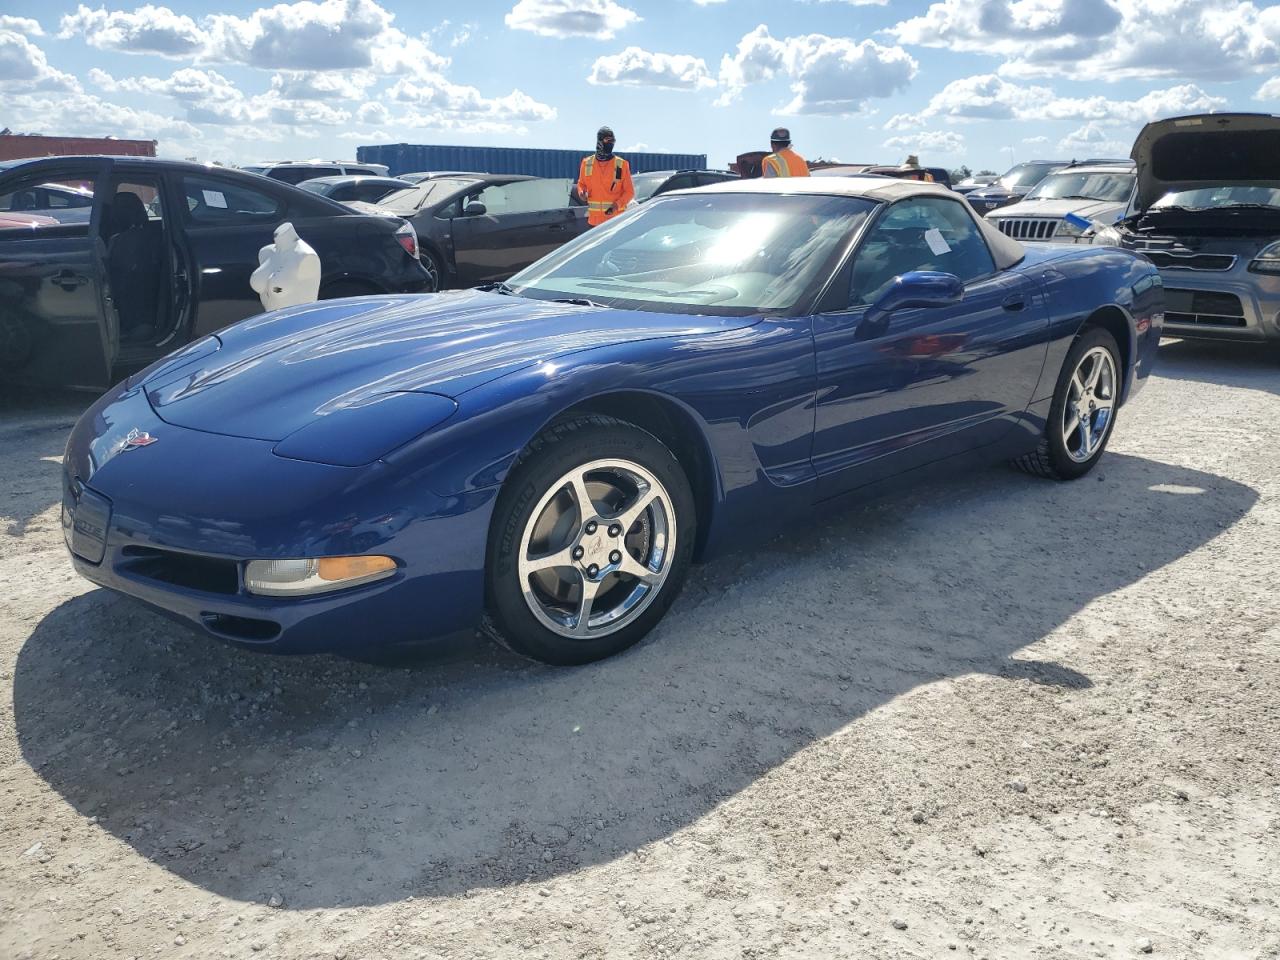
x,y
1094,191
295,171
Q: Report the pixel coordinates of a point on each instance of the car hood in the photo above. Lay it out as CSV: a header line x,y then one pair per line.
x,y
1105,210
1187,153
270,375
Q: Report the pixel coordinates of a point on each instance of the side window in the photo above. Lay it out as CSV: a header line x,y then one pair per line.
x,y
525,196
928,233
707,178
36,202
296,175
131,205
344,193
217,202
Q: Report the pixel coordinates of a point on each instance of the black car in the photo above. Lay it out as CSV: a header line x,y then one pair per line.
x,y
664,181
479,228
922,174
163,257
1015,184
346,189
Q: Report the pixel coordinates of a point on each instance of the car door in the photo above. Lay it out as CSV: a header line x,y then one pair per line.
x,y
933,381
225,223
55,323
523,221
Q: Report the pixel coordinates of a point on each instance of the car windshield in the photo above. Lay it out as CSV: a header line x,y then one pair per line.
x,y
314,186
1209,198
647,183
1084,186
723,254
1027,174
412,199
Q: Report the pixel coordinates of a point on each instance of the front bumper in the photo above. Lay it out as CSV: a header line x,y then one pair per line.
x,y
173,523
1227,305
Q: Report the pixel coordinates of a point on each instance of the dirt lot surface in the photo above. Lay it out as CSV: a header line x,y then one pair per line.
x,y
998,718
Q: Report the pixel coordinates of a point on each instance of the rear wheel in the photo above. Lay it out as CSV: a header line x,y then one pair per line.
x,y
1083,412
590,543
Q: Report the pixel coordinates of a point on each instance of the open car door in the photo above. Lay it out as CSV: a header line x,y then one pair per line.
x,y
513,225
57,327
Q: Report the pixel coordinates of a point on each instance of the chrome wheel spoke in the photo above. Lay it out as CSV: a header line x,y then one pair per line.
x,y
1069,428
1078,384
550,561
586,507
632,567
627,518
586,600
1094,372
1086,436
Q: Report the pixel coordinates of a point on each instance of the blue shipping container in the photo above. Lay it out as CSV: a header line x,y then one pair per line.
x,y
413,157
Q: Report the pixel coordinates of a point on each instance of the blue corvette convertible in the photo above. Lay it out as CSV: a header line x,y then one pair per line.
x,y
546,457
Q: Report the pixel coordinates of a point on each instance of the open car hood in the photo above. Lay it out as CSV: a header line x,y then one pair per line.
x,y
1214,149
276,373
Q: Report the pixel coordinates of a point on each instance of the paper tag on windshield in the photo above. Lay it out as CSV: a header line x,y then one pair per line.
x,y
933,237
216,198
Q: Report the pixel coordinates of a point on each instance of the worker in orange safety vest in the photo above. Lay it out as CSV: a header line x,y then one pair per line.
x,y
604,181
783,162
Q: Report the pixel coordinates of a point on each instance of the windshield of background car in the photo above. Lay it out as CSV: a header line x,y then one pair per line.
x,y
723,254
1027,174
412,199
1208,198
646,184
1091,186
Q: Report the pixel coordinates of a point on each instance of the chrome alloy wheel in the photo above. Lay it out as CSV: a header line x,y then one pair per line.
x,y
597,549
1091,400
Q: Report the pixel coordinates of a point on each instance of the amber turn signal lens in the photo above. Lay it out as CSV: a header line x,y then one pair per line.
x,y
353,568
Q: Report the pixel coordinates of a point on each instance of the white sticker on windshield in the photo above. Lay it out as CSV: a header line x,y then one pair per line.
x,y
216,198
933,237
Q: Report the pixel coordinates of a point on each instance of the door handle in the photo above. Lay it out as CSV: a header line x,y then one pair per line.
x,y
558,226
1014,302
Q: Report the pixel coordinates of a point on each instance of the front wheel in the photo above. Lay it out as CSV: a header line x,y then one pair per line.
x,y
1083,412
590,543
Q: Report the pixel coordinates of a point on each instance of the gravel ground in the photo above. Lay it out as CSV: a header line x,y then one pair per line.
x,y
998,718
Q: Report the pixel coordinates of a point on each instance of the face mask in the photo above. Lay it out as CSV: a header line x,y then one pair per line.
x,y
604,148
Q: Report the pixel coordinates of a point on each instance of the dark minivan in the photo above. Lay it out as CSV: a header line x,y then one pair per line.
x,y
162,257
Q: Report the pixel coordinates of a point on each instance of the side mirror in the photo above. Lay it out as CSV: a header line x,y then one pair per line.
x,y
475,209
919,288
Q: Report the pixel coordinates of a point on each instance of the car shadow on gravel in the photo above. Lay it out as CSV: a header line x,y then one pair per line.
x,y
33,435
332,783
1250,366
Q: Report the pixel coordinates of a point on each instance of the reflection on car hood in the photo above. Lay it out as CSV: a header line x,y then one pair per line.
x,y
1105,210
275,373
1186,153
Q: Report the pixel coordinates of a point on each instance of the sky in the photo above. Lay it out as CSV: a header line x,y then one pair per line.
x,y
977,82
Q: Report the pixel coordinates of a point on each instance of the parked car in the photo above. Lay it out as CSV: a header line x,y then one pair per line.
x,y
163,257
347,189
970,184
479,228
296,171
1094,191
935,174
1015,184
421,175
69,203
569,441
1206,211
658,182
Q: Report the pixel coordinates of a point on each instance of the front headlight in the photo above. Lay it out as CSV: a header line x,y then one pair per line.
x,y
1068,229
1267,259
302,578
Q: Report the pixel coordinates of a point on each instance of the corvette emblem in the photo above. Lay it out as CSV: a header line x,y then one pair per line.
x,y
137,438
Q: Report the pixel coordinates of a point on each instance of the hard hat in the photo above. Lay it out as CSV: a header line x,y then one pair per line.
x,y
780,135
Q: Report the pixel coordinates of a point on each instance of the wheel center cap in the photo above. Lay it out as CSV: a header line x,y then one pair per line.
x,y
594,549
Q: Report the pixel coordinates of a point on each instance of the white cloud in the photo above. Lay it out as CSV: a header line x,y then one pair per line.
x,y
1093,139
24,25
463,101
829,75
991,97
149,29
598,19
1105,39
373,113
707,3
205,95
927,142
1036,141
315,85
25,69
88,115
332,35
1269,90
640,68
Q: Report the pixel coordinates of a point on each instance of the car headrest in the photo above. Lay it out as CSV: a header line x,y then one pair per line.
x,y
127,211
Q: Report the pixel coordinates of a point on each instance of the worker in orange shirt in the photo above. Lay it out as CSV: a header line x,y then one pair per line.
x,y
604,181
783,162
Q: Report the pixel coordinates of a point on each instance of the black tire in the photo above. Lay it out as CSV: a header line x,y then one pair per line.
x,y
432,264
348,288
562,447
1050,459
